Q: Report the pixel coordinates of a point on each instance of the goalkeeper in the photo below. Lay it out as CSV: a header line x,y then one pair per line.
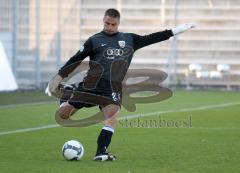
x,y
104,50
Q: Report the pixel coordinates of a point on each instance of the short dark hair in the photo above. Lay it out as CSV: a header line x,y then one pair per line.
x,y
111,12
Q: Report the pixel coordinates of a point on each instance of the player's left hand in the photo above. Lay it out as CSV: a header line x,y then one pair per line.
x,y
182,28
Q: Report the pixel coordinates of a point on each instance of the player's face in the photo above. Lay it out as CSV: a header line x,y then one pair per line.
x,y
110,24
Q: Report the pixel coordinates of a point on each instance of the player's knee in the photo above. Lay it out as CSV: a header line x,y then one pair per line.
x,y
65,112
62,114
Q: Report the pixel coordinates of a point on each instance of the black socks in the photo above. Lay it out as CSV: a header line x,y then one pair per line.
x,y
104,139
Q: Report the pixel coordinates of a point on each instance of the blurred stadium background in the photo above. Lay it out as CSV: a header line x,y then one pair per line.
x,y
37,37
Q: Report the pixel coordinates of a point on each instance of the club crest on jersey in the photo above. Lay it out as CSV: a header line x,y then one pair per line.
x,y
81,48
122,44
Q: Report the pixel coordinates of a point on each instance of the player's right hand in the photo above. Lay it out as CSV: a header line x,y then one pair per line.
x,y
47,91
53,85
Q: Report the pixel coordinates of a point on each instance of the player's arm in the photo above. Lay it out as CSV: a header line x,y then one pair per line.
x,y
142,41
69,67
76,59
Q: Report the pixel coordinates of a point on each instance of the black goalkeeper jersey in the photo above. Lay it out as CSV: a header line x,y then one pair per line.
x,y
111,55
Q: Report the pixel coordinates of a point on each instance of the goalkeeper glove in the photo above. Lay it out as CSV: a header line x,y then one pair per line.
x,y
182,28
53,85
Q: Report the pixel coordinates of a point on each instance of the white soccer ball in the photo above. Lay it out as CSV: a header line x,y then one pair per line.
x,y
72,150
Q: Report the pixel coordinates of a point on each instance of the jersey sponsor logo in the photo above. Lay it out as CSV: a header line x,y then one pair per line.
x,y
117,52
122,43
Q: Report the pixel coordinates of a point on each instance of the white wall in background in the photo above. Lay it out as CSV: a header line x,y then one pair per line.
x,y
7,79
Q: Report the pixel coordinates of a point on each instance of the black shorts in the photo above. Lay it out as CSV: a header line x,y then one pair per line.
x,y
104,90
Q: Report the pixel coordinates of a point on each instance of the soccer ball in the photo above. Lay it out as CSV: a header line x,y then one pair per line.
x,y
72,150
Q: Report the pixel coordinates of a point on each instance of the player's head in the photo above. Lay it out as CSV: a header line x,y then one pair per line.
x,y
111,21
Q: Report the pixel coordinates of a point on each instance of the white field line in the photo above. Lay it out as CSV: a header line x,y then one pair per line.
x,y
25,104
196,127
181,110
136,116
29,129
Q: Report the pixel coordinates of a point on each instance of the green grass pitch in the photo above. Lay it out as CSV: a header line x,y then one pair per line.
x,y
194,131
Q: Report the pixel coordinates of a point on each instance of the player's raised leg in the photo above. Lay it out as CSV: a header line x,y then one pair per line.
x,y
65,110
